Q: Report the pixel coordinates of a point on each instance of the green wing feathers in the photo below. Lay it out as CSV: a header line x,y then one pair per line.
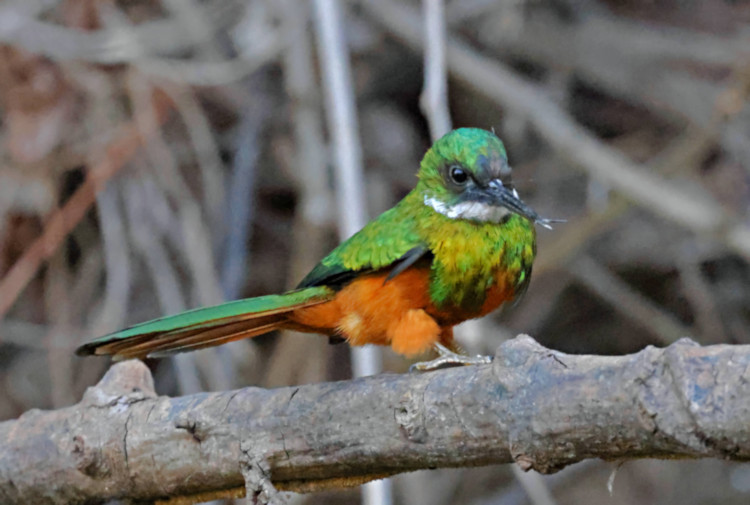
x,y
391,240
205,327
380,244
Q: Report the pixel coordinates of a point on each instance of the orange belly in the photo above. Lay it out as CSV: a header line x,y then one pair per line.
x,y
397,313
370,310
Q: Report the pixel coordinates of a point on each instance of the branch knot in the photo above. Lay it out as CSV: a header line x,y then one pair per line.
x,y
124,383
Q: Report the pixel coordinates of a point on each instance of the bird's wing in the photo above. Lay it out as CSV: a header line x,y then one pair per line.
x,y
389,242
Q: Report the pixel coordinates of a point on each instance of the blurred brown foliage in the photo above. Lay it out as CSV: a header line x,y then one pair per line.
x,y
160,155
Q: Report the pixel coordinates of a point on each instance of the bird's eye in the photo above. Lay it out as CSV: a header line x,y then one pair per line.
x,y
458,175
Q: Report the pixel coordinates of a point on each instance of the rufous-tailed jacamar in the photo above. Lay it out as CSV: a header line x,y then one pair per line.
x,y
456,247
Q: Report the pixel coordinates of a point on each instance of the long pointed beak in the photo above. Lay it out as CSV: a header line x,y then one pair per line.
x,y
508,198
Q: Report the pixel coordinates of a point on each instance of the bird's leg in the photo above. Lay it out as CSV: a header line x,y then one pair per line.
x,y
447,358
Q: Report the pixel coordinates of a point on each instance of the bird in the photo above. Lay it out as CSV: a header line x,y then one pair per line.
x,y
456,247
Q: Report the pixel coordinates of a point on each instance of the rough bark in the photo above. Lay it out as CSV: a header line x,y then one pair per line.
x,y
540,408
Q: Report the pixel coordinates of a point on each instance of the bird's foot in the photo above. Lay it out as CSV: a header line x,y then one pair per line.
x,y
447,358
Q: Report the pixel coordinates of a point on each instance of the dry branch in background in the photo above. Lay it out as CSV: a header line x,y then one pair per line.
x,y
540,408
693,209
117,153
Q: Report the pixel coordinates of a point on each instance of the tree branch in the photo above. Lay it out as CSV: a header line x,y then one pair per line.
x,y
540,408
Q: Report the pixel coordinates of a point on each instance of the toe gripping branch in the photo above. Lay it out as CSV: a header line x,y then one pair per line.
x,y
447,358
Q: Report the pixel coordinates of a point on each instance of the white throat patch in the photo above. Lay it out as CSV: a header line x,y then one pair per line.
x,y
474,211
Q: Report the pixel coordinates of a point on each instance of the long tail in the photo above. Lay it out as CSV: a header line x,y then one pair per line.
x,y
205,327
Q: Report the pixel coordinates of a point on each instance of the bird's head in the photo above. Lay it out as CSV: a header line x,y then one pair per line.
x,y
465,175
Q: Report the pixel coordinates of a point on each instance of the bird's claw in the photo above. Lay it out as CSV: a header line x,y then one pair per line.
x,y
447,358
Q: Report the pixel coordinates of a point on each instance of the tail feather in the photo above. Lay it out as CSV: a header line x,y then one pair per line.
x,y
196,344
206,327
181,341
151,342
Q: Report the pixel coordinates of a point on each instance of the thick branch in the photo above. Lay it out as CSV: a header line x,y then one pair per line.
x,y
540,408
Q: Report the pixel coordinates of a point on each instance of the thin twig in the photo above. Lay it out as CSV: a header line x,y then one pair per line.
x,y
698,293
434,98
115,301
613,54
342,121
352,214
241,201
144,45
59,359
163,276
626,300
292,363
206,150
116,155
681,155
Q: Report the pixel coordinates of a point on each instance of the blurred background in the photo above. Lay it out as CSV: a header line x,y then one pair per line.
x,y
159,155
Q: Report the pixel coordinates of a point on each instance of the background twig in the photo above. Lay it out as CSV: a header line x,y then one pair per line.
x,y
352,210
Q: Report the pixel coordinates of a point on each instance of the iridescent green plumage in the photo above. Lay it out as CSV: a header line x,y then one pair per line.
x,y
465,252
463,224
233,315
